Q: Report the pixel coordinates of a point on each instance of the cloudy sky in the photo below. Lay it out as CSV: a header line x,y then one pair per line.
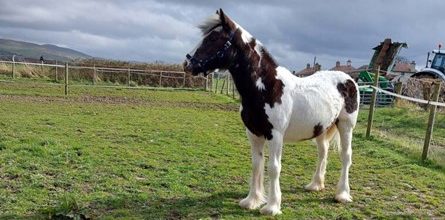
x,y
165,30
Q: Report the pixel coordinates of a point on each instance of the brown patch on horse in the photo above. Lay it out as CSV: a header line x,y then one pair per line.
x,y
318,129
246,66
252,44
349,93
273,86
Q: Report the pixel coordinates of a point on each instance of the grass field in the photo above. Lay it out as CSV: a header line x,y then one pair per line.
x,y
146,154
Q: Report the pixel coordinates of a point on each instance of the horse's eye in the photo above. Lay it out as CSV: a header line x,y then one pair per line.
x,y
212,37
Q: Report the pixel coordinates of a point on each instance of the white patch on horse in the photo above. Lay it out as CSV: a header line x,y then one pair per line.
x,y
260,85
246,36
258,49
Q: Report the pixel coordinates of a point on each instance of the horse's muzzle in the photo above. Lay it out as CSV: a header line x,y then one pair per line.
x,y
194,69
187,67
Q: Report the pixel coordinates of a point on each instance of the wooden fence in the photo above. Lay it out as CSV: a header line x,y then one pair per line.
x,y
432,104
127,77
223,84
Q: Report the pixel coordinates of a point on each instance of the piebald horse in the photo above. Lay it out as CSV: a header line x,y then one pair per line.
x,y
278,107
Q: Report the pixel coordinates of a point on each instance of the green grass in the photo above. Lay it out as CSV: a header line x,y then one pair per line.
x,y
43,88
407,126
148,154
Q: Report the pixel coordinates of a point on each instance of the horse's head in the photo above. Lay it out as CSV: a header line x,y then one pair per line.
x,y
215,49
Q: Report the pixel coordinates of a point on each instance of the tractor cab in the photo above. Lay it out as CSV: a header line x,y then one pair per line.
x,y
438,62
434,68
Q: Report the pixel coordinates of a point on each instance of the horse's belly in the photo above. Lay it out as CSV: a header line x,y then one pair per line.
x,y
299,130
307,124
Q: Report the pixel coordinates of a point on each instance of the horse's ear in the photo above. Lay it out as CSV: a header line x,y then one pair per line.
x,y
226,22
222,16
217,12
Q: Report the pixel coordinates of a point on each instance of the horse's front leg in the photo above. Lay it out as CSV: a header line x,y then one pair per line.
x,y
273,205
256,194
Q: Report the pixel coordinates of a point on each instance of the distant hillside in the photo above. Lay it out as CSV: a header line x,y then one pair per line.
x,y
34,51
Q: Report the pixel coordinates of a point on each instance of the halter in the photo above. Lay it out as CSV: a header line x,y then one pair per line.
x,y
219,54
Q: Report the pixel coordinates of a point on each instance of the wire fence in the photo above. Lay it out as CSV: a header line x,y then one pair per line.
x,y
74,75
223,83
406,113
410,122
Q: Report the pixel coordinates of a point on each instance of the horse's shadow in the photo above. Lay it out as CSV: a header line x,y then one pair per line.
x,y
214,206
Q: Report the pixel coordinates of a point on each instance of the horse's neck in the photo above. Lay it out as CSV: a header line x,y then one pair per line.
x,y
255,78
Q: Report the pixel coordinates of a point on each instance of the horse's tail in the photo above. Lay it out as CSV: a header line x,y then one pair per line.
x,y
334,137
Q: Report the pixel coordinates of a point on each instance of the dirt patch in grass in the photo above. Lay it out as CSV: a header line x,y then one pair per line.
x,y
120,101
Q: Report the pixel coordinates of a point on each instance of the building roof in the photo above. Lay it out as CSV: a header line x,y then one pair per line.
x,y
345,68
308,70
363,67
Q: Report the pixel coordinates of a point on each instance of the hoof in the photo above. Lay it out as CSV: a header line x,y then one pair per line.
x,y
343,197
252,203
270,210
314,187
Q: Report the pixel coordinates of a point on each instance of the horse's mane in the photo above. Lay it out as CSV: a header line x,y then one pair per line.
x,y
209,24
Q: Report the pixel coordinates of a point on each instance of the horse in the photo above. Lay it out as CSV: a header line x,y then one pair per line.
x,y
278,107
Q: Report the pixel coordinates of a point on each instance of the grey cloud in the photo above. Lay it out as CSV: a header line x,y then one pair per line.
x,y
293,31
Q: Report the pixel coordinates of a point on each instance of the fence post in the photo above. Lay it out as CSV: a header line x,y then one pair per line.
x,y
206,86
233,88
66,79
183,81
431,119
160,80
211,81
228,83
56,73
398,89
128,77
94,74
13,67
426,93
216,86
222,88
373,102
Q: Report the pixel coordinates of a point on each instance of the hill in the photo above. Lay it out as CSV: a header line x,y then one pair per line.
x,y
30,50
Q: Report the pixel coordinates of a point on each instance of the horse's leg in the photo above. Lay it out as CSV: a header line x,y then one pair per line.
x,y
274,199
317,182
345,127
256,193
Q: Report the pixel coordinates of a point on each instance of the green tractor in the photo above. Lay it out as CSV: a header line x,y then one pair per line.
x,y
383,59
367,78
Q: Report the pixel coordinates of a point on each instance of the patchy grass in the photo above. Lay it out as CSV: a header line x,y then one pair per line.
x,y
67,157
39,88
407,127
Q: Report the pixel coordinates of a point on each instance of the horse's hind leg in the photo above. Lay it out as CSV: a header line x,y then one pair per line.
x,y
345,127
256,193
317,182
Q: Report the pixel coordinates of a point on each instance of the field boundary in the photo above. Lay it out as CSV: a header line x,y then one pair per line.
x,y
432,104
421,101
126,75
